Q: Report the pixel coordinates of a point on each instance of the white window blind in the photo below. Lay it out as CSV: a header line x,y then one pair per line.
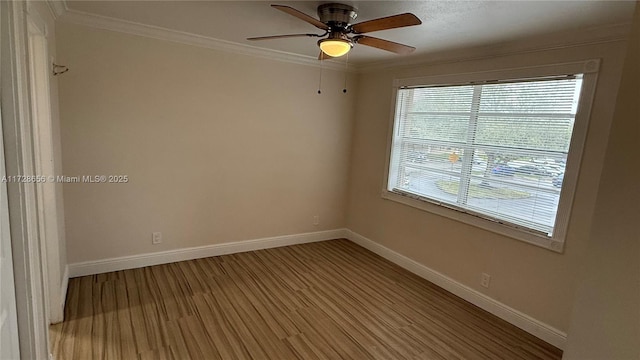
x,y
494,150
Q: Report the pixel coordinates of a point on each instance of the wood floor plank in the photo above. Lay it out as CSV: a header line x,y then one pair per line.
x,y
315,336
213,329
239,324
138,323
325,300
55,331
342,342
127,338
98,327
177,343
82,342
196,339
66,338
269,314
225,333
305,349
157,354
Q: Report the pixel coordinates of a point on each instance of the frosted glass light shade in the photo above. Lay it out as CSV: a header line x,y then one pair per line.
x,y
335,47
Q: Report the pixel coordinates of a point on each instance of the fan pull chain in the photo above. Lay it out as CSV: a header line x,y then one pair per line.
x,y
346,73
320,81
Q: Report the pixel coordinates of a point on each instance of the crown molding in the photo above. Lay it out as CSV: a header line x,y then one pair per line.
x,y
566,40
160,33
57,8
584,37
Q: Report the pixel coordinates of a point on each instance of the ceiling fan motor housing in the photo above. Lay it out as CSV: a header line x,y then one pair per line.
x,y
337,16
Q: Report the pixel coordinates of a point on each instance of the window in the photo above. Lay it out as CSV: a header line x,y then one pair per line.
x,y
493,150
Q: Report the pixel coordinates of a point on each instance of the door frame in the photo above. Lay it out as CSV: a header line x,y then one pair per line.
x,y
9,344
22,196
39,71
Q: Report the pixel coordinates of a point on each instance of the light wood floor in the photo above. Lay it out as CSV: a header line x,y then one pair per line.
x,y
327,300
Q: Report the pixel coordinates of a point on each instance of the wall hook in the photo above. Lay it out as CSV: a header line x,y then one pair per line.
x,y
59,69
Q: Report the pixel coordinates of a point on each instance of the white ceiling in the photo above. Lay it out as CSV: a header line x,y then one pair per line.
x,y
447,25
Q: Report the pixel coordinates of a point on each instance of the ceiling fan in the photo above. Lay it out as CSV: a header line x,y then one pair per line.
x,y
335,20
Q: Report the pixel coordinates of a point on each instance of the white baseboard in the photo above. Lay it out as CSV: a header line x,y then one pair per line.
x,y
525,322
164,257
58,298
63,287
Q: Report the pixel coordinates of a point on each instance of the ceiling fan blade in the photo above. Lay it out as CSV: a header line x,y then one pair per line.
x,y
383,44
389,22
302,16
282,36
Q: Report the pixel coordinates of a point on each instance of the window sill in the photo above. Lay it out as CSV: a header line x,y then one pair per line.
x,y
485,224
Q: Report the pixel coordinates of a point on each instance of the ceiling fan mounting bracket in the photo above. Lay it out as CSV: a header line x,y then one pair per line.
x,y
337,16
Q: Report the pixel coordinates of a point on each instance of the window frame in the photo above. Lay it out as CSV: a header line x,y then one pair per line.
x,y
589,69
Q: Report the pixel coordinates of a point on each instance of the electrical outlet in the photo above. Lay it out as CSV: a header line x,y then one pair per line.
x,y
156,238
316,220
485,280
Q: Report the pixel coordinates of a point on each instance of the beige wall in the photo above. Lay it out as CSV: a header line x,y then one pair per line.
x,y
533,280
606,316
218,147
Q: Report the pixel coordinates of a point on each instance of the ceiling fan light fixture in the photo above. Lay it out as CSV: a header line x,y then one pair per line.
x,y
335,47
336,20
